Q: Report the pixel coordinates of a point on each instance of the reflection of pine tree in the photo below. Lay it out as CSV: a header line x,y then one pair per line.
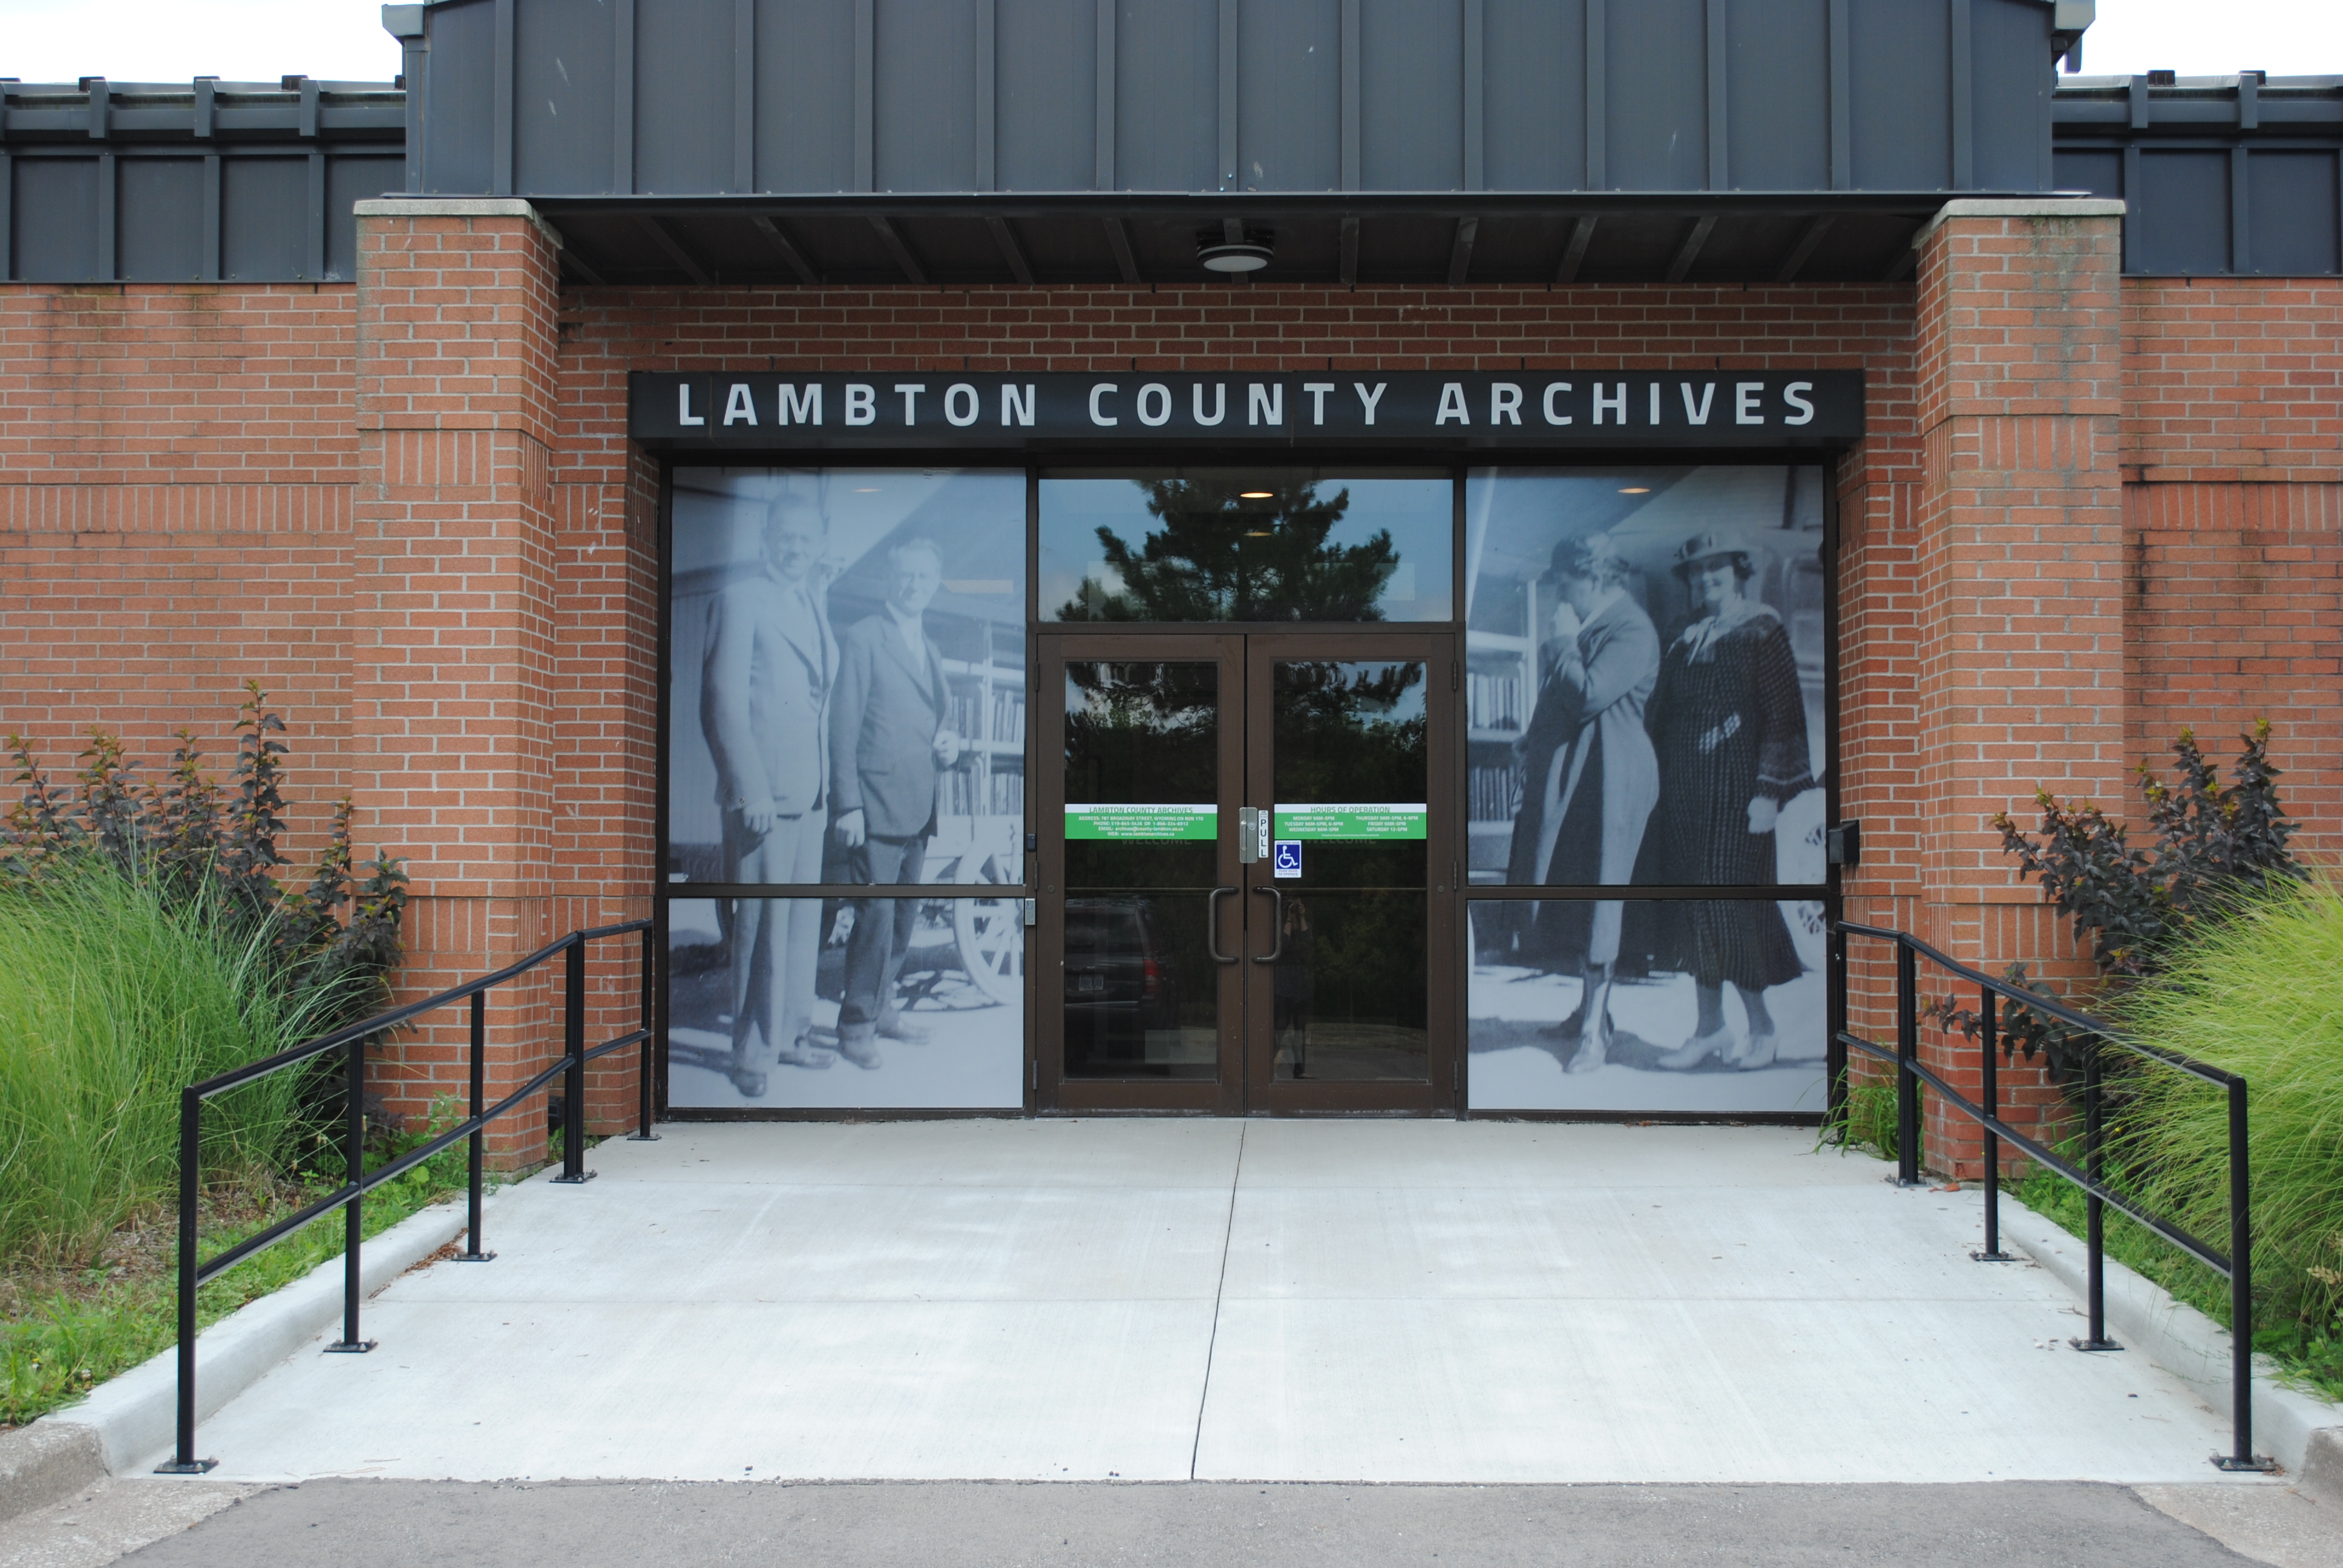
x,y
1218,557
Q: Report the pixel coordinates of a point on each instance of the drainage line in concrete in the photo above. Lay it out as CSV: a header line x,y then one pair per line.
x,y
1219,1290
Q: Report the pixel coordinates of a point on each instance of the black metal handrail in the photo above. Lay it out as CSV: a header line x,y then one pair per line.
x,y
2236,1267
350,1196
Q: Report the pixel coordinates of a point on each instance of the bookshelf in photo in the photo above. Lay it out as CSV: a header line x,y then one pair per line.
x,y
980,802
1500,681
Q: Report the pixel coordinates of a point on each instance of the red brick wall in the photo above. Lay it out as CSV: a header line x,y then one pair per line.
x,y
443,562
176,474
2233,454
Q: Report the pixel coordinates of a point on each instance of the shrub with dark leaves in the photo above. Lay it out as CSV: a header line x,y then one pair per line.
x,y
2215,844
339,933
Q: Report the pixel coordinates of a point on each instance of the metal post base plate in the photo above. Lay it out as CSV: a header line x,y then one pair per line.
x,y
195,1467
642,1137
577,1180
473,1258
2094,1344
343,1348
2260,1464
1993,1257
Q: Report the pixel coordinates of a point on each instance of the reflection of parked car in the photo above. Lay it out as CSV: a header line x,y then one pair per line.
x,y
1121,980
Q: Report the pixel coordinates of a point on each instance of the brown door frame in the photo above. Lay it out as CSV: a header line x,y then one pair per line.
x,y
1437,1094
1223,1094
1243,1083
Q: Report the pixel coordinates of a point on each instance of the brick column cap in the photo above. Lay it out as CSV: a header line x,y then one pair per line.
x,y
1973,207
460,207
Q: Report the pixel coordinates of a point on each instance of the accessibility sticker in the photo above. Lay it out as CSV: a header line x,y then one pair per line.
x,y
1142,821
1372,820
1288,858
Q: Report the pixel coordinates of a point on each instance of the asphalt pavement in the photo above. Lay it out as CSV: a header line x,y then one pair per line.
x,y
946,1525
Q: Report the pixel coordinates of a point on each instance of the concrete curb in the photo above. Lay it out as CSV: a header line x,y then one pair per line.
x,y
2300,1430
130,1419
44,1462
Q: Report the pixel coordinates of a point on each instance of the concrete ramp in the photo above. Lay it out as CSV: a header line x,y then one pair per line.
x,y
1172,1299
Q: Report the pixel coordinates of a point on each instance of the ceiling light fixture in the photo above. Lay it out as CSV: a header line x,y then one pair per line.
x,y
1255,495
1635,490
1234,248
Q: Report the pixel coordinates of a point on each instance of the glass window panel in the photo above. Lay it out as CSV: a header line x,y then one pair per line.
x,y
884,1003
1141,734
1351,732
1644,647
1259,545
1141,992
846,662
1348,992
1712,1005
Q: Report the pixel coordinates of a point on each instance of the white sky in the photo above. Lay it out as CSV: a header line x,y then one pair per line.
x,y
261,40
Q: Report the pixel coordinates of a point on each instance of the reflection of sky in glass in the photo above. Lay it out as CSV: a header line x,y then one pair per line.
x,y
977,520
1417,513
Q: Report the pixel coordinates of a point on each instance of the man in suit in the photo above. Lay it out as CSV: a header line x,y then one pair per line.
x,y
765,678
888,745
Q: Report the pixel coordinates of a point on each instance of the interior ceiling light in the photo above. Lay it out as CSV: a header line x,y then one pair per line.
x,y
1255,495
1233,248
1635,490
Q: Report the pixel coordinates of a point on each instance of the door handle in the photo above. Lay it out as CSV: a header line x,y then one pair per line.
x,y
1212,924
1277,924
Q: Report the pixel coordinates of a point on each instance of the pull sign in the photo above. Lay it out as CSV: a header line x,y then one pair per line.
x,y
1248,824
1260,821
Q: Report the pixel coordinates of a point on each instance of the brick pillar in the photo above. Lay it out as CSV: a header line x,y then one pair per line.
x,y
451,689
2019,572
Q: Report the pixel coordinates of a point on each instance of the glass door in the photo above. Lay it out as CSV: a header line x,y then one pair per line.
x,y
1243,900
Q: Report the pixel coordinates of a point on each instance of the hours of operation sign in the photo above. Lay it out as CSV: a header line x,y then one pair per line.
x,y
1351,821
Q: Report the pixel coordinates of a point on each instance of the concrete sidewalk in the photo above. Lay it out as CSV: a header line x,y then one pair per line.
x,y
1169,1299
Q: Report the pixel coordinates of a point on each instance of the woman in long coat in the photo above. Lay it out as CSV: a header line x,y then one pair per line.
x,y
1729,724
1589,774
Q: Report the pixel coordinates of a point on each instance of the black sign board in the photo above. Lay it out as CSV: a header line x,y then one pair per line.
x,y
1543,409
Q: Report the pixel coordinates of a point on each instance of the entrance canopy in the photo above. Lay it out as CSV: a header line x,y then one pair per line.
x,y
998,141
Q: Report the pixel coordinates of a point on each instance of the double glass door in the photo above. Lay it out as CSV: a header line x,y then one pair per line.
x,y
1247,889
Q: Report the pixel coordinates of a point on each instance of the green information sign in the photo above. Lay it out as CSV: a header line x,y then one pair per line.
x,y
1144,822
1351,821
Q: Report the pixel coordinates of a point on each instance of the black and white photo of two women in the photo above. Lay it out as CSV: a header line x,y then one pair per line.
x,y
846,706
1647,712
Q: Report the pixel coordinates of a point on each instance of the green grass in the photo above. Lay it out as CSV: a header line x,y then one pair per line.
x,y
2258,992
65,1332
111,1001
1870,1120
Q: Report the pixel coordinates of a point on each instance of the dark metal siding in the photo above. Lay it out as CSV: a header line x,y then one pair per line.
x,y
1046,114
159,220
1412,70
1289,67
923,134
562,93
1534,85
2222,174
1167,118
805,112
1899,58
1778,87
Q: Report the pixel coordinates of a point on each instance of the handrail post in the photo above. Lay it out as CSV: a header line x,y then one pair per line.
x,y
1835,1047
1989,1032
474,1253
642,1132
183,1452
1908,1052
573,1081
2241,1295
2095,1215
354,1210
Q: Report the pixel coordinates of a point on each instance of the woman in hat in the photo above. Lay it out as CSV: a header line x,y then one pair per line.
x,y
1730,728
1588,774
